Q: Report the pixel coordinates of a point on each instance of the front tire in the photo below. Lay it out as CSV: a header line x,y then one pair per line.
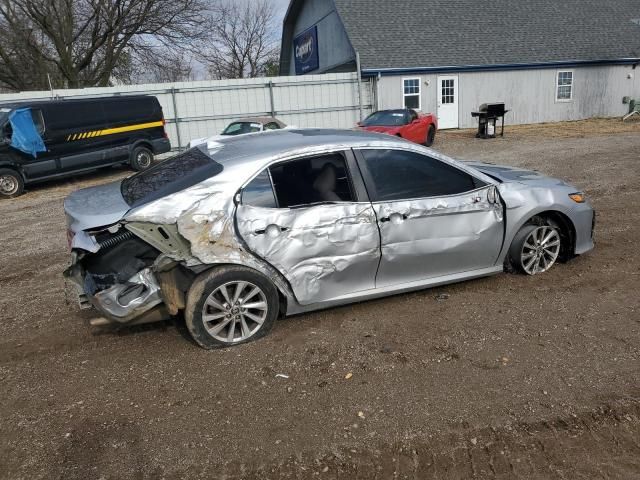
x,y
229,306
431,136
141,158
536,247
11,183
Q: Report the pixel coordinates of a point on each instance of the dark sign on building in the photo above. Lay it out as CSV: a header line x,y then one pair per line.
x,y
305,51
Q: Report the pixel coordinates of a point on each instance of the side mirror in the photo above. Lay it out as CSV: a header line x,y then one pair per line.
x,y
360,124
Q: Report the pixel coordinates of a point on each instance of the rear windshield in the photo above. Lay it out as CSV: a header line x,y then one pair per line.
x,y
170,176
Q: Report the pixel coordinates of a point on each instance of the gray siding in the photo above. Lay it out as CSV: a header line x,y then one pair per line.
x,y
528,94
334,48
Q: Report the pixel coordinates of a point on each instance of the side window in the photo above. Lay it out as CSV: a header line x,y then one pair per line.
x,y
259,192
38,121
564,86
272,126
401,175
306,181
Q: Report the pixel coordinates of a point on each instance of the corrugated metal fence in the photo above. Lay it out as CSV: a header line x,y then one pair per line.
x,y
200,109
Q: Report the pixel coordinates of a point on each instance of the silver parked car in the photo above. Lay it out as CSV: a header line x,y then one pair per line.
x,y
277,224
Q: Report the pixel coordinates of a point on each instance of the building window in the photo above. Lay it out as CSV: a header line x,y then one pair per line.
x,y
411,93
564,86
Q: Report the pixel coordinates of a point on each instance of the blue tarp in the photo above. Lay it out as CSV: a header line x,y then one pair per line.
x,y
25,136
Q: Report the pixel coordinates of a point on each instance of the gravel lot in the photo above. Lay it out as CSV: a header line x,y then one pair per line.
x,y
504,377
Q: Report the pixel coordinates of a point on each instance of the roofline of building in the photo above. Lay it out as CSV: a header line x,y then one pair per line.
x,y
372,72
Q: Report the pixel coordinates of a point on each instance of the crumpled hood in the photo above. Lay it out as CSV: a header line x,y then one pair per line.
x,y
514,174
95,206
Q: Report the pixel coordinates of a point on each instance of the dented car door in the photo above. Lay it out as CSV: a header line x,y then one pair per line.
x,y
434,218
326,245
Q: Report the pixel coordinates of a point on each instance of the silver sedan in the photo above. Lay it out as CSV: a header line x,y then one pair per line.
x,y
234,234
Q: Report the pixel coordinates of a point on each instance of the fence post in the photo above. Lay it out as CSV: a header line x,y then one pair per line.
x,y
176,119
273,106
359,84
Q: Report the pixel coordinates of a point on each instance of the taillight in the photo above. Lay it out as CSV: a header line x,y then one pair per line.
x,y
164,130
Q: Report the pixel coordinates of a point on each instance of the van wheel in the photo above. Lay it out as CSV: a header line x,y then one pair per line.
x,y
141,158
11,183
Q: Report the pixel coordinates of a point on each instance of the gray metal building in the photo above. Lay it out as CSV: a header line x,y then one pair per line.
x,y
548,60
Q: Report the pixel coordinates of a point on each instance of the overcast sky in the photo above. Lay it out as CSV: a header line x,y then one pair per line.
x,y
281,8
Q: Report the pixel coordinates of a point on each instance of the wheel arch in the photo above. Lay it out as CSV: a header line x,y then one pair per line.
x,y
285,294
143,142
567,230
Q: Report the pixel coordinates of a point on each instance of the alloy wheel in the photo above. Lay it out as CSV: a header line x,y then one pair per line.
x,y
540,250
234,311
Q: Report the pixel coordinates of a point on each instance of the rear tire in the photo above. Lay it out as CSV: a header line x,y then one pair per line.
x,y
11,183
141,158
431,136
229,306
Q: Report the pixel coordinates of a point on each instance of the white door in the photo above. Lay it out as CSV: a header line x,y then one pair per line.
x,y
448,102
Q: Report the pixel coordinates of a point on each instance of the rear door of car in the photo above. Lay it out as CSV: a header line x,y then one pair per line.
x,y
325,241
435,218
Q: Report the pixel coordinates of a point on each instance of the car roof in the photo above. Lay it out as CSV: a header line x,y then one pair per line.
x,y
46,101
265,146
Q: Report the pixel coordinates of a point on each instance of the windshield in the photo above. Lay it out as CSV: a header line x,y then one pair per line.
x,y
240,128
387,118
170,176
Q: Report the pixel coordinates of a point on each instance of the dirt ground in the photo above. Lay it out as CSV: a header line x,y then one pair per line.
x,y
504,377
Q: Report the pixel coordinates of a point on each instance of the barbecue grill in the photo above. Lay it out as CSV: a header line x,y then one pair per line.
x,y
488,115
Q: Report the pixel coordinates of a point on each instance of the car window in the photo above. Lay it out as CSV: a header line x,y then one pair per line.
x,y
312,180
38,120
413,115
240,128
169,176
259,192
272,126
400,175
128,110
386,118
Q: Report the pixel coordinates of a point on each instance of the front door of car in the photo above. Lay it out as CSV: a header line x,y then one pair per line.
x,y
415,130
310,219
435,219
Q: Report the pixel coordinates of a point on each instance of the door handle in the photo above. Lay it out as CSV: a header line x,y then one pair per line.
x,y
271,230
394,218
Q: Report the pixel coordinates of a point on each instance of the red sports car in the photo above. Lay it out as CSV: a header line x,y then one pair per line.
x,y
405,123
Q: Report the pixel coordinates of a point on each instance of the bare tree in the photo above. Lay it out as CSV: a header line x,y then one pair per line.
x,y
168,65
88,42
243,40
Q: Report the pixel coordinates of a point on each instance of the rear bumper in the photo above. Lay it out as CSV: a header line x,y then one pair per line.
x,y
160,145
121,303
